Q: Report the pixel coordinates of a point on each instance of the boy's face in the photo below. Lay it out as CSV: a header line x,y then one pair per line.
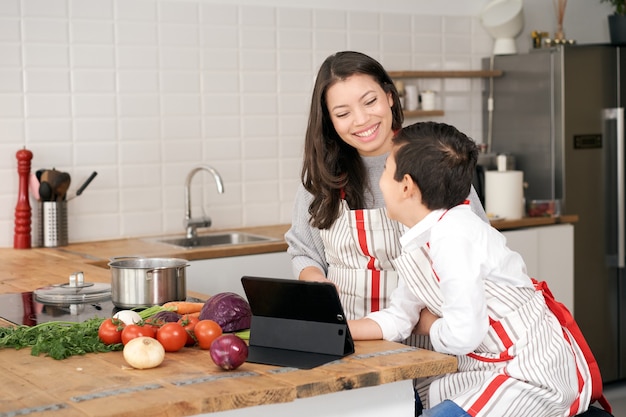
x,y
392,189
403,198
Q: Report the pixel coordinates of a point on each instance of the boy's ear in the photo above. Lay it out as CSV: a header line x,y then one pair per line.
x,y
408,186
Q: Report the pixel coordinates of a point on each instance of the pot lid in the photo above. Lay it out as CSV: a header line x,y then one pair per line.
x,y
75,291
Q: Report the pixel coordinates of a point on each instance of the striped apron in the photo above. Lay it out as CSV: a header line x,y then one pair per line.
x,y
527,365
359,247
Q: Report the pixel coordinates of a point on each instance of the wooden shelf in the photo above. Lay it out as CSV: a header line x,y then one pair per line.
x,y
445,74
440,74
423,113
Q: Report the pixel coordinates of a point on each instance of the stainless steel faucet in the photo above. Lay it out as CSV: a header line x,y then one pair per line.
x,y
190,223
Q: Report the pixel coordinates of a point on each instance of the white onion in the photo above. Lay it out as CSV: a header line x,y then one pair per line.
x,y
127,316
144,352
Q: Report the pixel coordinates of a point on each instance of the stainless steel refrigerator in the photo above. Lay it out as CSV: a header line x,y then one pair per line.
x,y
559,112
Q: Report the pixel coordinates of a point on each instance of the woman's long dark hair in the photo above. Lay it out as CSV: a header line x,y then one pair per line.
x,y
331,165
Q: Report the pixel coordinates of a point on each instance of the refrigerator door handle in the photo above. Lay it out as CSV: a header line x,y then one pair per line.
x,y
614,182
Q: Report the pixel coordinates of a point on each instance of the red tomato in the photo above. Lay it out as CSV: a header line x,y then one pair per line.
x,y
206,331
189,323
110,331
132,331
172,336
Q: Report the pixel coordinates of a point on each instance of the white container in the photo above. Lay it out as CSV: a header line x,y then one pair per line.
x,y
428,100
504,194
410,97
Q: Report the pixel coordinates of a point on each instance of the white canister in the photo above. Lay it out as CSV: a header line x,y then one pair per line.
x,y
504,194
410,97
428,100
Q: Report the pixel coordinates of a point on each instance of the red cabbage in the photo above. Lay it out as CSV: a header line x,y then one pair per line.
x,y
229,310
165,317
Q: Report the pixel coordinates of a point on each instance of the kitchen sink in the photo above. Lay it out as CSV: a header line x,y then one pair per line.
x,y
216,239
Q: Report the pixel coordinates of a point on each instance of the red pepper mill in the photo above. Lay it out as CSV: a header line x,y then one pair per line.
x,y
21,238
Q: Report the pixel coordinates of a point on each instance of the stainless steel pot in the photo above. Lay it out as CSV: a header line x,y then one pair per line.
x,y
144,282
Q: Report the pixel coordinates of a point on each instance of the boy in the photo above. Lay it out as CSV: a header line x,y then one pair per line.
x,y
514,357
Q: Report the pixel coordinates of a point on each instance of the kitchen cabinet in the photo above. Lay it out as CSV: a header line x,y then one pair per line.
x,y
397,75
212,276
549,255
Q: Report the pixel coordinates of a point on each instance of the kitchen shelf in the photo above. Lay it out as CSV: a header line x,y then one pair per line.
x,y
440,74
446,74
423,113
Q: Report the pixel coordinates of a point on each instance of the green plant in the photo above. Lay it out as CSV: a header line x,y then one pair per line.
x,y
619,6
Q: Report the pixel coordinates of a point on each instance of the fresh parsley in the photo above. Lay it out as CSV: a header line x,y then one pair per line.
x,y
57,339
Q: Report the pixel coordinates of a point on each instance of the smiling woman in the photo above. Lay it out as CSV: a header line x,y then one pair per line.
x,y
340,231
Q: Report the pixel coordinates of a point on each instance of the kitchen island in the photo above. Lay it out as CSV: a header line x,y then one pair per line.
x,y
188,383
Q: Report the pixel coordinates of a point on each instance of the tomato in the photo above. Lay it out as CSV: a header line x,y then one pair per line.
x,y
206,331
110,331
189,323
172,336
153,323
132,331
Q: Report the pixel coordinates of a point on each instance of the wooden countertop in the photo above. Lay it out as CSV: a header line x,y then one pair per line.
x,y
525,222
188,383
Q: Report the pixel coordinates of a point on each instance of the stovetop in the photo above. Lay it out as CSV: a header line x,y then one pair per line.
x,y
23,308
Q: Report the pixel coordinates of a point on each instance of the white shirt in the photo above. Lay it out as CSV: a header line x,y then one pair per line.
x,y
465,251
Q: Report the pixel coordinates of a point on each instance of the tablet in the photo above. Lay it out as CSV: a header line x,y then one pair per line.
x,y
295,323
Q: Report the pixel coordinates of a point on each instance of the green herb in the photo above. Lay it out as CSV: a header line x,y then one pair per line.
x,y
62,339
57,339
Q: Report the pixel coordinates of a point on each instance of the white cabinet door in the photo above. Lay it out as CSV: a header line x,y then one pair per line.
x,y
212,276
549,255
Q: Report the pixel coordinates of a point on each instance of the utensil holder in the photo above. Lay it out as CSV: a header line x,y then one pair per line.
x,y
52,224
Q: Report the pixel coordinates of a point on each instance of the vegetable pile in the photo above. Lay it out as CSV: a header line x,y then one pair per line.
x,y
145,336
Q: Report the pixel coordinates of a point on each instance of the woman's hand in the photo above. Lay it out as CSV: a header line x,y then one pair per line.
x,y
311,273
425,323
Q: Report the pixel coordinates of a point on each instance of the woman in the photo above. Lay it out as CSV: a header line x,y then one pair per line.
x,y
340,232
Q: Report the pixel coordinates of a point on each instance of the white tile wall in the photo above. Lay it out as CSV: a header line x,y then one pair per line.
x,y
143,90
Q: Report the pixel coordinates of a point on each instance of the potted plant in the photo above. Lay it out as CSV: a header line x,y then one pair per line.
x,y
617,21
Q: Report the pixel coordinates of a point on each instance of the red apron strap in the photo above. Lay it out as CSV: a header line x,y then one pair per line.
x,y
567,321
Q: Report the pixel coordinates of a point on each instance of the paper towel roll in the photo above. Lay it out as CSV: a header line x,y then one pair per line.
x,y
504,194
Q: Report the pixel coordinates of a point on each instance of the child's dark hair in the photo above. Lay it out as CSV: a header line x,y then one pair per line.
x,y
440,160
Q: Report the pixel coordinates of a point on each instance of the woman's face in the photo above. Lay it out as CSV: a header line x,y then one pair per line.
x,y
360,111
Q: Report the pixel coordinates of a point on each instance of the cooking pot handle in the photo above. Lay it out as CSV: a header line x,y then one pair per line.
x,y
150,272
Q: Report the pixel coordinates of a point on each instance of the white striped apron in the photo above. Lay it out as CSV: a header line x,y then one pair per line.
x,y
527,365
360,247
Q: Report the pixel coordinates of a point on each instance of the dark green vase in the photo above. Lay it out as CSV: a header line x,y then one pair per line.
x,y
617,29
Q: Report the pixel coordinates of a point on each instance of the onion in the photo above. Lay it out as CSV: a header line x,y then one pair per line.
x,y
144,352
128,316
229,351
